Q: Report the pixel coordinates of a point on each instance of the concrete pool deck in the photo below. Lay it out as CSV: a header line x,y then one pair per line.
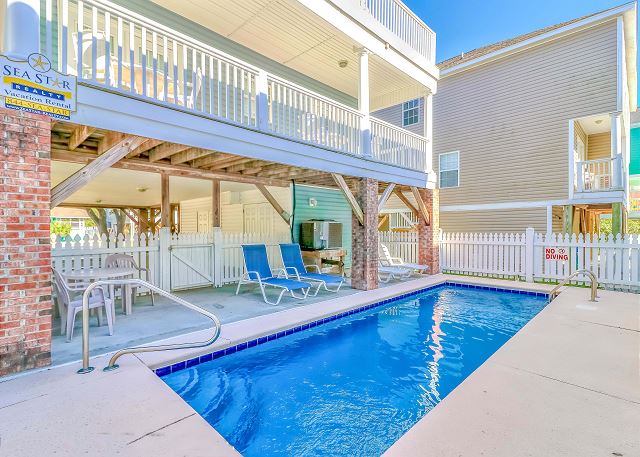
x,y
566,384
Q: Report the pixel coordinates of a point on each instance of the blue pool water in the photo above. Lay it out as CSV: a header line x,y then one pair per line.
x,y
353,386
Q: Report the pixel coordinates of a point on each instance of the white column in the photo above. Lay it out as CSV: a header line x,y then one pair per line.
x,y
616,149
363,99
21,35
427,122
529,238
262,89
549,219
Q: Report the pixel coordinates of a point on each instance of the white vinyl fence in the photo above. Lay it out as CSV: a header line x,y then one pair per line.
x,y
401,244
534,256
178,261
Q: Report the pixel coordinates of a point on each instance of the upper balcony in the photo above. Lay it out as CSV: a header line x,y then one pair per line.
x,y
116,50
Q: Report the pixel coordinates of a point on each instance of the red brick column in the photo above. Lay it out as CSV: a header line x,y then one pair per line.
x,y
25,252
364,252
428,241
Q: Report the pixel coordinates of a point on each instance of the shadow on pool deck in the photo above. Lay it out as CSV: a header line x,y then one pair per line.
x,y
166,319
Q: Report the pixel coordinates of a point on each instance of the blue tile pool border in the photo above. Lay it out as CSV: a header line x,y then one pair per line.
x,y
163,371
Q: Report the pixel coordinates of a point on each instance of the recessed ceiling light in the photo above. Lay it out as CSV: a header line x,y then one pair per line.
x,y
598,121
142,189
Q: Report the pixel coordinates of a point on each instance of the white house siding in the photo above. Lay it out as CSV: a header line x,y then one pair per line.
x,y
233,207
393,115
509,119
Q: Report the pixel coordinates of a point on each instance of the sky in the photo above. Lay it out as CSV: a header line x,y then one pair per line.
x,y
463,25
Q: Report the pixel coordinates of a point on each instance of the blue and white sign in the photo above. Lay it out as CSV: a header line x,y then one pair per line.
x,y
32,85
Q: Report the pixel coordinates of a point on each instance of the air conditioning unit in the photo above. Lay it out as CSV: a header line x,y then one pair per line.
x,y
320,234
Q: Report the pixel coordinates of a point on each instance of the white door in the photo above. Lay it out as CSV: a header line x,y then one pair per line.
x,y
204,221
259,218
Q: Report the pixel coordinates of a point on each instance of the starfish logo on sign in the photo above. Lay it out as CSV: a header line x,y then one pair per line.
x,y
39,63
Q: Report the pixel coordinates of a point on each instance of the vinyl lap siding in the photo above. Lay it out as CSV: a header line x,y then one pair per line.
x,y
331,205
599,146
494,221
509,119
393,115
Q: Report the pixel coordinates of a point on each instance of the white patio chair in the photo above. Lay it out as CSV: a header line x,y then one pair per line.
x,y
69,306
127,261
386,273
388,260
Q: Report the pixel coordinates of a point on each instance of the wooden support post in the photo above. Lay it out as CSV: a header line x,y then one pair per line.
x,y
81,177
385,196
271,199
165,206
424,212
215,203
406,201
364,250
355,207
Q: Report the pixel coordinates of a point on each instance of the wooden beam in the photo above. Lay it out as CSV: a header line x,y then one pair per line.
x,y
424,212
109,140
355,207
100,205
81,177
131,216
271,199
78,135
215,203
227,162
212,159
406,201
383,219
165,205
144,147
189,154
385,196
165,150
174,170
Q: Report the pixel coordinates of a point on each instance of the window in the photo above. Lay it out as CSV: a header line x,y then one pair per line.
x,y
449,169
410,112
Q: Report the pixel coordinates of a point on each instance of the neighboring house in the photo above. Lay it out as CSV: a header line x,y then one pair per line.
x,y
634,168
534,131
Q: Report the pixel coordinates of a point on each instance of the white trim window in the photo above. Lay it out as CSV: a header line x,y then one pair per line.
x,y
449,169
411,112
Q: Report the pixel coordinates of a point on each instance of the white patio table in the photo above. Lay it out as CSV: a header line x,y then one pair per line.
x,y
96,274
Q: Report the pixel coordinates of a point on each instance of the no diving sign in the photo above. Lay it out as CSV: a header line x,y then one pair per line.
x,y
556,254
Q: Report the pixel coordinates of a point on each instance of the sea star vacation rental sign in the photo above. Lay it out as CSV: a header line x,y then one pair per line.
x,y
32,85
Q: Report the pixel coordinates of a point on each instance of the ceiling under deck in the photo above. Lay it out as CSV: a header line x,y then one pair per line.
x,y
303,41
190,169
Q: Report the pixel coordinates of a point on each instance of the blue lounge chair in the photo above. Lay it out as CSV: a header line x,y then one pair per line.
x,y
259,272
294,265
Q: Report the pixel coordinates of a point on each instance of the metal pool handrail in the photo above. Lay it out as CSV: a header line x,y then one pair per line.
x,y
166,347
592,278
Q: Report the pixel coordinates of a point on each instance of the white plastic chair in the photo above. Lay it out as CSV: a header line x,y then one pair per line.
x,y
68,306
389,261
387,273
127,261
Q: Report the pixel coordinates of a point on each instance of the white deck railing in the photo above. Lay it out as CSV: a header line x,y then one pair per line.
x,y
392,144
404,23
599,175
110,47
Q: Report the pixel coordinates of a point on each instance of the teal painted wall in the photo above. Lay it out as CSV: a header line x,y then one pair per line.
x,y
331,205
634,166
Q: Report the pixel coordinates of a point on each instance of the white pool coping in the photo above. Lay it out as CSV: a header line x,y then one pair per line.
x,y
543,385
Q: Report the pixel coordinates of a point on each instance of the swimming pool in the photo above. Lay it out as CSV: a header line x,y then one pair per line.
x,y
354,385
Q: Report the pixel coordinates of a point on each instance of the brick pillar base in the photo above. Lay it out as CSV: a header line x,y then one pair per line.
x,y
364,244
428,235
25,252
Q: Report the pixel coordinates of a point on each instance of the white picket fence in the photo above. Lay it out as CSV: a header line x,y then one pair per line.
x,y
534,256
176,262
401,244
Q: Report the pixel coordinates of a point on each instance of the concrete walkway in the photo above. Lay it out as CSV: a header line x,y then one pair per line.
x,y
166,319
565,385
